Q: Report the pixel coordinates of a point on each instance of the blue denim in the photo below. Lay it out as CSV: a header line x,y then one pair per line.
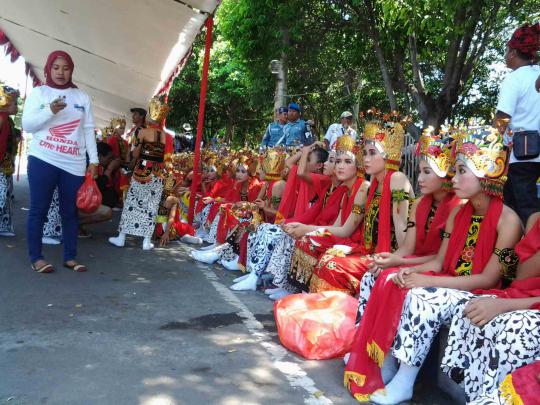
x,y
43,178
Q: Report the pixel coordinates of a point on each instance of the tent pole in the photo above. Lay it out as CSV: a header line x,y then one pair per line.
x,y
200,122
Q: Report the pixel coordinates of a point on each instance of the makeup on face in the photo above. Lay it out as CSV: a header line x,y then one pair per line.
x,y
464,182
428,181
373,160
345,167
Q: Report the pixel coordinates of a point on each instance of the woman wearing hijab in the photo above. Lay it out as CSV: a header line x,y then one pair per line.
x,y
59,116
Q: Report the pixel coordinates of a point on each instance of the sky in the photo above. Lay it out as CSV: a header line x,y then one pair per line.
x,y
12,74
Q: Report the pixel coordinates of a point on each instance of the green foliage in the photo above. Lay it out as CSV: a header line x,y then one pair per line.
x,y
329,50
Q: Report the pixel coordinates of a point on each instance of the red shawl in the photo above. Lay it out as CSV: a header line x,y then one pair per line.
x,y
522,386
380,320
384,231
525,288
429,243
322,212
530,244
486,238
298,194
5,132
118,146
234,193
219,189
345,206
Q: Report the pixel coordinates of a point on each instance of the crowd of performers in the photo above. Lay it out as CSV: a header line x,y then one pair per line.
x,y
347,219
309,221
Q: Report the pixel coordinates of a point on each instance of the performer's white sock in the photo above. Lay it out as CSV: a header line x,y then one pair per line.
x,y
270,291
279,295
119,240
248,284
238,279
147,244
400,389
193,240
389,368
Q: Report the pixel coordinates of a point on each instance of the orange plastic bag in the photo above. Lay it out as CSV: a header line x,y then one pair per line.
x,y
88,196
317,326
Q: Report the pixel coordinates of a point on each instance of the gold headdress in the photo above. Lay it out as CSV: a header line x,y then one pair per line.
x,y
248,159
485,154
6,95
436,152
347,144
118,122
273,163
387,133
157,109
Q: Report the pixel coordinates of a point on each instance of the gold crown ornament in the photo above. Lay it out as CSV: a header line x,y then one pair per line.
x,y
248,159
273,163
355,149
157,109
118,122
7,94
387,133
436,152
485,154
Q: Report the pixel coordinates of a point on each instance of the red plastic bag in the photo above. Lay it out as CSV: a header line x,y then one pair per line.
x,y
88,196
317,326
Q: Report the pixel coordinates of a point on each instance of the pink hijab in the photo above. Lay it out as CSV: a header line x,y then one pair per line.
x,y
48,66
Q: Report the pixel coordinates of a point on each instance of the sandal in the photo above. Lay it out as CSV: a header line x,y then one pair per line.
x,y
46,268
79,268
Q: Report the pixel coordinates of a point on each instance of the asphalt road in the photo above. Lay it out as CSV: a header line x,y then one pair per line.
x,y
148,328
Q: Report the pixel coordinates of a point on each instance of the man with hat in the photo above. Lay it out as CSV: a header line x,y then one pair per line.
x,y
294,132
518,109
274,130
339,129
184,142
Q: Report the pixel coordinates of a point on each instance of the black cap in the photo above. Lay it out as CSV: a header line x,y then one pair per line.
x,y
141,111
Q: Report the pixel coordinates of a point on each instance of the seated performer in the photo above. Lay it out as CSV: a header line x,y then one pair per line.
x,y
247,219
341,267
169,225
497,334
144,193
473,255
427,218
245,189
118,145
270,248
308,248
305,181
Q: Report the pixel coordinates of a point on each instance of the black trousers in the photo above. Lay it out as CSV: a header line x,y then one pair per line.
x,y
520,190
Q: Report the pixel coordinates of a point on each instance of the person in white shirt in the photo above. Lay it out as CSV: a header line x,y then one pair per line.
x,y
518,109
336,130
60,118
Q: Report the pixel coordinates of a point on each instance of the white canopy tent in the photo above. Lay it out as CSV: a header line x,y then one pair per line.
x,y
125,51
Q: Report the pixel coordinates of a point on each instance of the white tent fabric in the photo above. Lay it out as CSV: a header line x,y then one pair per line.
x,y
123,50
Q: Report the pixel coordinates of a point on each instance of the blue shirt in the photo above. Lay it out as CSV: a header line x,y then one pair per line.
x,y
295,133
274,132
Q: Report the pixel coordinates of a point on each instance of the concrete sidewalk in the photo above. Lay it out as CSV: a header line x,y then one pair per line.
x,y
143,328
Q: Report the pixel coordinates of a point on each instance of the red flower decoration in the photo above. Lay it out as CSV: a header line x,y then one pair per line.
x,y
379,136
467,254
469,148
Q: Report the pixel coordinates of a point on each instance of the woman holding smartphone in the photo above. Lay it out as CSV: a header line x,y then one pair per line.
x,y
59,116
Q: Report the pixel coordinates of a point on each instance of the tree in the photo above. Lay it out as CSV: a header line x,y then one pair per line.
x,y
434,52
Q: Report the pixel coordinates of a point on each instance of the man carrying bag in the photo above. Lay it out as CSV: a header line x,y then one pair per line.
x,y
518,110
